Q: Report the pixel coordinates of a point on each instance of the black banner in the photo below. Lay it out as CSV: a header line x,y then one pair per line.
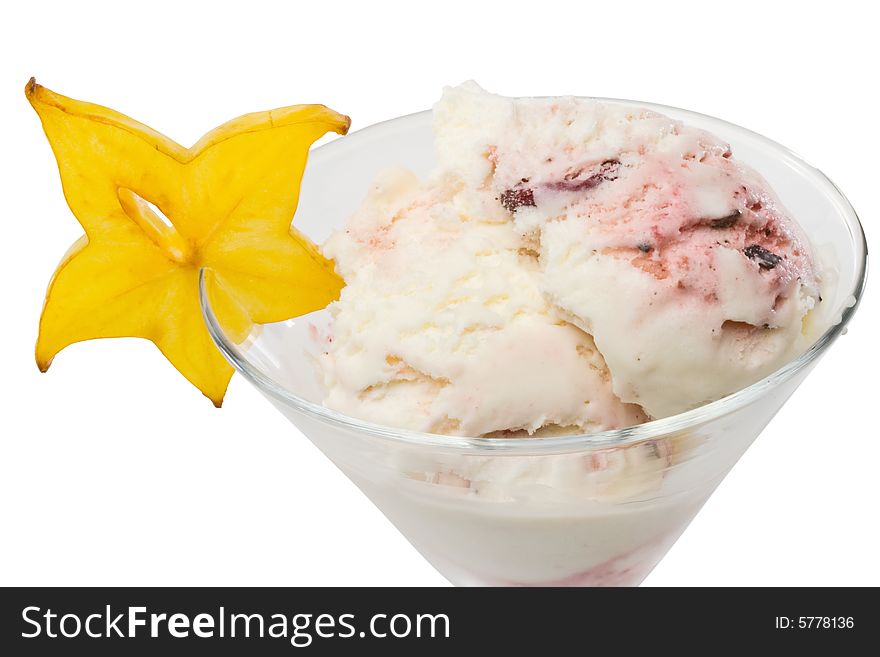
x,y
278,621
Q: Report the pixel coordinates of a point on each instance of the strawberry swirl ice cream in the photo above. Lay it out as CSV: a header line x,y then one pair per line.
x,y
570,266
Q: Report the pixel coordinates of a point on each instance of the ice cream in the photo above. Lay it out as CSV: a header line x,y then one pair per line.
x,y
443,326
570,266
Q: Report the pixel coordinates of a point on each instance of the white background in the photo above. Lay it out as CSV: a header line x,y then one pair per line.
x,y
114,470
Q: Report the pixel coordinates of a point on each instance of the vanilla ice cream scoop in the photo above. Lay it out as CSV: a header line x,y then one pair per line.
x,y
442,326
570,266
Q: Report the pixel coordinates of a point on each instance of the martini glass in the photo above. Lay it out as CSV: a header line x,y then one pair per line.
x,y
588,510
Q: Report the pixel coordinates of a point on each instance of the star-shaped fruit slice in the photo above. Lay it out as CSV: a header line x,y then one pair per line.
x,y
154,213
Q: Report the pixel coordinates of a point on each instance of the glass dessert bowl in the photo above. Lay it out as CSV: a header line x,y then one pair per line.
x,y
596,509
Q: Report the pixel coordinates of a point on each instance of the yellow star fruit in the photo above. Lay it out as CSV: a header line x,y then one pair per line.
x,y
227,203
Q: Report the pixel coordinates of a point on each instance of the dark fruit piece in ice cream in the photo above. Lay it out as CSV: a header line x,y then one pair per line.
x,y
725,222
765,259
512,199
584,179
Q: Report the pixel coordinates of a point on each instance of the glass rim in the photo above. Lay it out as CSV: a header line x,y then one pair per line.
x,y
650,430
